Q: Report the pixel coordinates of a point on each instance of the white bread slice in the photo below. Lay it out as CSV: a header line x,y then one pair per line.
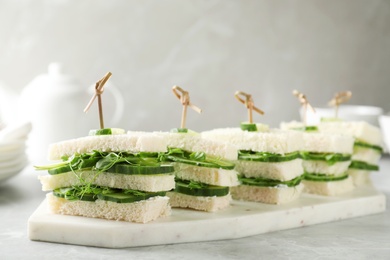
x,y
151,183
360,177
360,130
283,171
328,188
367,155
327,143
322,167
133,143
269,195
209,204
195,143
211,176
140,211
275,141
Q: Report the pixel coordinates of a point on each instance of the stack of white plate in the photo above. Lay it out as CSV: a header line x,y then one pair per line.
x,y
13,156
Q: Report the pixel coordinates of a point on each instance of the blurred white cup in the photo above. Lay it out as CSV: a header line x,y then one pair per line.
x,y
384,122
369,114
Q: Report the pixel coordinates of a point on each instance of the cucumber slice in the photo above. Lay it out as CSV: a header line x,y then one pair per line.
x,y
179,130
82,164
330,158
248,127
323,177
208,162
138,169
266,157
363,166
128,198
200,189
73,194
263,182
107,131
59,170
370,146
92,193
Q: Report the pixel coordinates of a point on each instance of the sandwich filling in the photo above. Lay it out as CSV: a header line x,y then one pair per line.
x,y
99,163
267,157
365,156
186,183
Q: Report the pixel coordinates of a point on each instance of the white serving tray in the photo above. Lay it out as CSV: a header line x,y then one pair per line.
x,y
241,219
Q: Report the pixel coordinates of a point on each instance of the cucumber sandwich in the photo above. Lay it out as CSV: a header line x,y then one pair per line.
x,y
367,148
326,158
268,163
204,172
110,176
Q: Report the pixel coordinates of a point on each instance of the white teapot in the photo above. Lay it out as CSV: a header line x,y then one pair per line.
x,y
54,104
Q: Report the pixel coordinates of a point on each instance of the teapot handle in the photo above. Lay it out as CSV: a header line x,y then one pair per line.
x,y
119,105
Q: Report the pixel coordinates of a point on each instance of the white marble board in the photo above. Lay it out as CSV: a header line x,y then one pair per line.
x,y
241,219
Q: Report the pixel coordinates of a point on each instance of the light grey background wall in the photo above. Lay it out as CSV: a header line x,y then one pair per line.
x,y
210,48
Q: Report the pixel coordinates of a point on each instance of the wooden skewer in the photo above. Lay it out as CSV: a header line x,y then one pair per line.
x,y
249,104
305,103
184,98
99,89
338,99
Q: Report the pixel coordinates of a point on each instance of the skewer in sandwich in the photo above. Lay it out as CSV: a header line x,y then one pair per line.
x,y
203,168
117,177
270,170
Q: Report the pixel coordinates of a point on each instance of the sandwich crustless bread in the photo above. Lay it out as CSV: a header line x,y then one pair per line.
x,y
367,149
270,170
204,171
117,177
326,158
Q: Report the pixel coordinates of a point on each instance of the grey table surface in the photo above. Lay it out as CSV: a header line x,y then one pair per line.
x,y
365,237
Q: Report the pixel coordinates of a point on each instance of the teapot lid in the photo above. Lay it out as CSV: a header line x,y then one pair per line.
x,y
55,76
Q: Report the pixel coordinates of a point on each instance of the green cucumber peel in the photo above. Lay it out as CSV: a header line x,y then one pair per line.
x,y
370,146
264,182
179,130
92,193
127,169
194,188
330,158
196,158
250,127
363,166
266,156
102,161
107,131
324,177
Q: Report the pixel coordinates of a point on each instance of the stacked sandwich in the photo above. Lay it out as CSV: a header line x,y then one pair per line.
x,y
204,171
367,147
107,176
326,158
269,167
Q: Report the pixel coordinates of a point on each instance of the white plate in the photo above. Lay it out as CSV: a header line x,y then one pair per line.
x,y
10,155
17,131
10,172
10,164
10,146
